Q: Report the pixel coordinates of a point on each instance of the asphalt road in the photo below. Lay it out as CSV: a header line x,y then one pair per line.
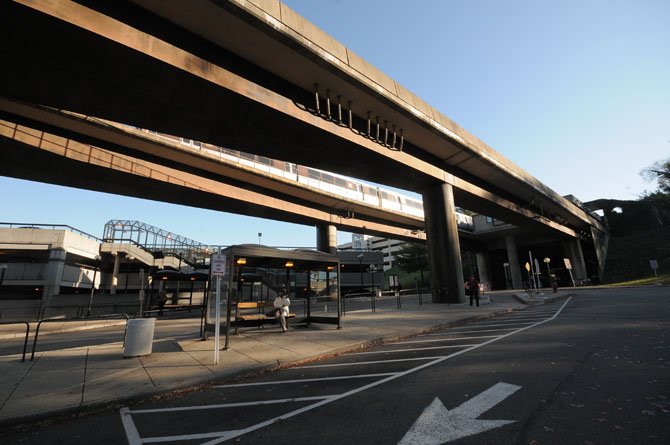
x,y
591,370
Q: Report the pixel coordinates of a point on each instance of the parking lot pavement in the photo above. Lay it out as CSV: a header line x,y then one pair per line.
x,y
74,379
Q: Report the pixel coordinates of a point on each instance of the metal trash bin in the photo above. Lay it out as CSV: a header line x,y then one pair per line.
x,y
139,337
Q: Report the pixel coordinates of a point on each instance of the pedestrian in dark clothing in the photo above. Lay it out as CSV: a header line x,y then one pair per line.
x,y
162,299
473,289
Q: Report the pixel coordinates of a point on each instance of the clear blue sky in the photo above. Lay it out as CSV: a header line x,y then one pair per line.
x,y
574,92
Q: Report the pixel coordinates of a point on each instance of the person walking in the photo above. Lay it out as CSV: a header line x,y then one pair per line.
x,y
162,299
281,305
473,289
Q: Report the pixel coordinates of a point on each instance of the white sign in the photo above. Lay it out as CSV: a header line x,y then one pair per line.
x,y
654,264
218,265
437,425
393,281
567,263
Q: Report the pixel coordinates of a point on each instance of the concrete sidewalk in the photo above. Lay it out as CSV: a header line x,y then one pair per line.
x,y
69,381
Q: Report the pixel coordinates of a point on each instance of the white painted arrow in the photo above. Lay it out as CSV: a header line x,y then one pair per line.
x,y
437,425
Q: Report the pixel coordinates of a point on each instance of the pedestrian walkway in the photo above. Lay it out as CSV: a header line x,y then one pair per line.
x,y
71,380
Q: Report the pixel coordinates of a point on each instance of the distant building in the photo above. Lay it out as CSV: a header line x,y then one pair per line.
x,y
375,244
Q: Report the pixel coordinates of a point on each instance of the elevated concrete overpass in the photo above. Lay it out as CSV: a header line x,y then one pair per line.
x,y
30,153
256,76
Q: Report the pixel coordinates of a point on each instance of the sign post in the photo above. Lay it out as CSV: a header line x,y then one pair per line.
x,y
568,266
533,271
546,261
654,266
218,266
530,279
141,292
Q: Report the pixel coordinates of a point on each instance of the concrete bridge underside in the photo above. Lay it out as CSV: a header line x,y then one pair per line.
x,y
40,156
238,74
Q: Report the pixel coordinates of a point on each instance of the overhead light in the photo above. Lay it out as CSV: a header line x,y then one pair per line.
x,y
241,261
330,268
289,264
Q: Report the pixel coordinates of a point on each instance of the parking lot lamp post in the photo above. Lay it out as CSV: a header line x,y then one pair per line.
x,y
360,261
547,261
373,269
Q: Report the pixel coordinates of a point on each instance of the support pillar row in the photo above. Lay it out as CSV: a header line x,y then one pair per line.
x,y
444,251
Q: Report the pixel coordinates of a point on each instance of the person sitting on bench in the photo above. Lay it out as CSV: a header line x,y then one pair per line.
x,y
281,305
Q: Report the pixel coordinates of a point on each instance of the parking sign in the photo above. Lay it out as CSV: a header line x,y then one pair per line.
x,y
218,265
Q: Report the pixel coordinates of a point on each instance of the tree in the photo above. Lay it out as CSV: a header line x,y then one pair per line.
x,y
412,257
660,172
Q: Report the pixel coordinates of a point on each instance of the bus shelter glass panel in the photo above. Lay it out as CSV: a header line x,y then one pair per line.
x,y
259,283
322,293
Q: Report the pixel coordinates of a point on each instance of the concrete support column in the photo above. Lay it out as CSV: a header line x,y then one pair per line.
x,y
579,257
573,250
115,274
53,276
513,260
446,270
483,267
600,244
326,238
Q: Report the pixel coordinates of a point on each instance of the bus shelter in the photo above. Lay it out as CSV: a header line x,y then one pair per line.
x,y
253,275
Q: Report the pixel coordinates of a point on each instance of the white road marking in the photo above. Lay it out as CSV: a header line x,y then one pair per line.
x,y
229,405
376,362
373,384
472,332
433,340
521,317
505,322
491,325
437,425
226,435
322,379
414,349
131,431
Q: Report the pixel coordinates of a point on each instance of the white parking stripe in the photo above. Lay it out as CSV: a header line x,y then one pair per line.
x,y
472,332
442,339
221,436
218,435
228,405
489,325
414,349
131,431
237,433
322,379
521,317
330,365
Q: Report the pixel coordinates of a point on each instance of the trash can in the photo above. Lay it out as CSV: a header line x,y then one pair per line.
x,y
139,337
